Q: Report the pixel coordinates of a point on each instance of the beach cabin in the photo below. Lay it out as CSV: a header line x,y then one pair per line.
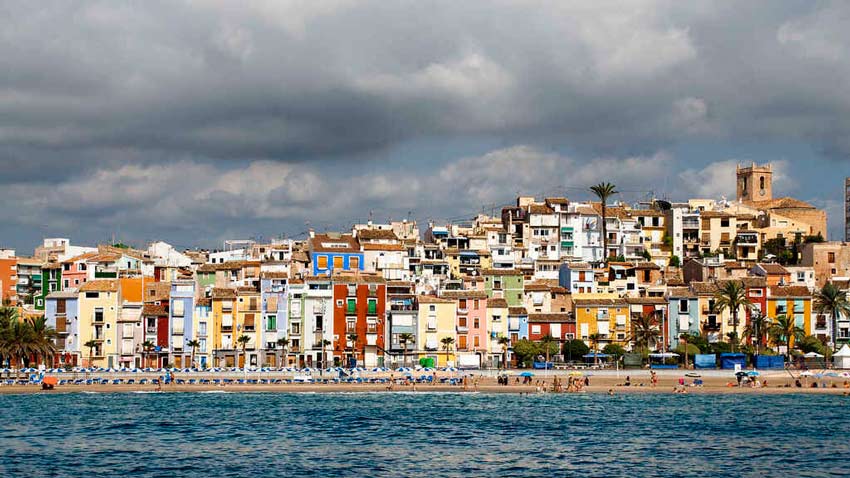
x,y
728,361
841,359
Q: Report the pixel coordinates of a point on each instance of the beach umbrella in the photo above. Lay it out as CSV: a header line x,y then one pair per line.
x,y
693,375
753,373
576,374
831,374
448,369
526,374
807,373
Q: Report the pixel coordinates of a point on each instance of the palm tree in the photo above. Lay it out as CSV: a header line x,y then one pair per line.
x,y
758,328
645,330
604,191
353,339
147,346
732,296
546,341
504,342
325,343
785,330
447,345
284,346
594,345
91,344
194,344
832,301
404,339
243,341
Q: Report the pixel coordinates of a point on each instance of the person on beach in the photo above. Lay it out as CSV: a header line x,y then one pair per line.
x,y
653,378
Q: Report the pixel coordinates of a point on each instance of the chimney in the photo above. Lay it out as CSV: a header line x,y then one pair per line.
x,y
312,233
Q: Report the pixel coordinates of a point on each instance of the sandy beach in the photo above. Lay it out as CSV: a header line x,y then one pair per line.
x,y
777,382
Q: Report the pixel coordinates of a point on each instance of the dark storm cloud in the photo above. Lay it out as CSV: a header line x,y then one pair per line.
x,y
90,90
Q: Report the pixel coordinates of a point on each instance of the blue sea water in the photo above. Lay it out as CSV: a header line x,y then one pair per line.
x,y
428,435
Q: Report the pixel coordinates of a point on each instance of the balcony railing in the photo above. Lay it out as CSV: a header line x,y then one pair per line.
x,y
372,329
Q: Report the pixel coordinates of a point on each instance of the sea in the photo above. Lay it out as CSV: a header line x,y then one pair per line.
x,y
224,434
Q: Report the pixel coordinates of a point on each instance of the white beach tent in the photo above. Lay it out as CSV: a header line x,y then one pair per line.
x,y
841,359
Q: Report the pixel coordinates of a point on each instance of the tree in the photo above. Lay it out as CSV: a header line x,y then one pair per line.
x,y
615,350
547,342
90,344
505,343
325,343
447,345
243,341
832,301
674,261
575,348
194,343
353,339
525,350
604,191
645,330
732,296
757,328
404,339
283,344
646,255
811,343
785,330
594,344
147,346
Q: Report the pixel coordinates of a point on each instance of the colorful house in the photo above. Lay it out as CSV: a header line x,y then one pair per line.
x,y
223,341
181,319
99,306
577,277
359,319
273,297
504,284
791,301
682,315
497,327
61,312
471,338
334,252
203,317
437,319
605,317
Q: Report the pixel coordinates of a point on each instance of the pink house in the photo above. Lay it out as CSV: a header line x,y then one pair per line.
x,y
75,271
471,338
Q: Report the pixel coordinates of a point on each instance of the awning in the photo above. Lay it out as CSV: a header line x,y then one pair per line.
x,y
664,355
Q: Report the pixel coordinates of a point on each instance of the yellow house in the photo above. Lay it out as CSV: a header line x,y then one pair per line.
x,y
716,325
791,301
604,315
247,323
222,327
99,306
465,262
437,320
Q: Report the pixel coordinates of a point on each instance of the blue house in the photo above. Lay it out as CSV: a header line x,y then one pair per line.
x,y
61,311
334,252
682,314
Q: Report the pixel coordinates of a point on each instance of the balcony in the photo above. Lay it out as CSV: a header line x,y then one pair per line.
x,y
711,326
372,328
227,328
747,239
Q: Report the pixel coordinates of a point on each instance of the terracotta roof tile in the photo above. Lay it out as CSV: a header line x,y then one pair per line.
x,y
517,311
103,285
552,317
464,294
599,302
497,303
151,310
223,293
376,234
790,291
500,272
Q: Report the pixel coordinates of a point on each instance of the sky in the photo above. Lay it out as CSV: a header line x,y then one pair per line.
x,y
199,121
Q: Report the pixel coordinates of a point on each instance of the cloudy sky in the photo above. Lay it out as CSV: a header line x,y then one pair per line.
x,y
196,121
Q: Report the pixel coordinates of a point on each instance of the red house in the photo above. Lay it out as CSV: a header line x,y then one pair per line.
x,y
561,325
359,310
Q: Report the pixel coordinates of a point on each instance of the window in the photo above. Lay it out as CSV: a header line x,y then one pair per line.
x,y
202,345
98,314
350,326
461,304
320,322
352,306
432,308
683,305
322,262
497,284
92,295
761,182
338,262
724,222
461,322
68,284
372,306
295,328
202,328
271,322
76,281
535,329
66,267
476,322
476,341
354,263
461,342
177,308
756,292
831,257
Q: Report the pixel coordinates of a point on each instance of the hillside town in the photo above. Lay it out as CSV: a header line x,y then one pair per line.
x,y
471,294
